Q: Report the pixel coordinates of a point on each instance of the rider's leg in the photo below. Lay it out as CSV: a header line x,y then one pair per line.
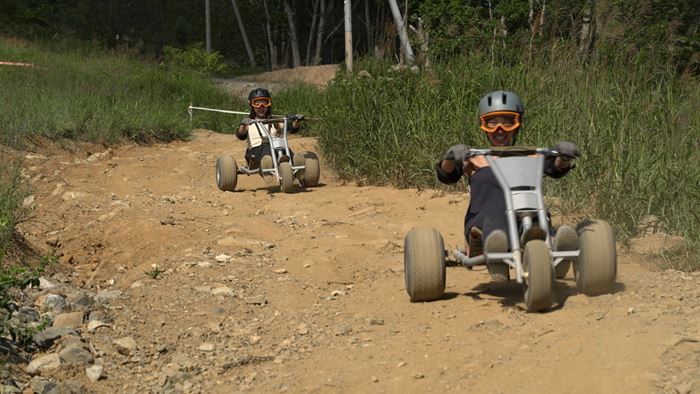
x,y
496,240
266,160
252,157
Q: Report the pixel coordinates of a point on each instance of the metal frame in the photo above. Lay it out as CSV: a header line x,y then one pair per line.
x,y
278,145
523,201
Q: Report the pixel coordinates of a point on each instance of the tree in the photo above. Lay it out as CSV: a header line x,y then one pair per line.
x,y
296,59
270,42
319,32
401,28
243,33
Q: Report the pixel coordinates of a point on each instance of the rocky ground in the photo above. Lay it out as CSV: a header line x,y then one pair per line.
x,y
165,284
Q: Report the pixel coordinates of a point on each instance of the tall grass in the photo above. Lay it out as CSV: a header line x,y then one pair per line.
x,y
638,130
97,96
11,195
300,98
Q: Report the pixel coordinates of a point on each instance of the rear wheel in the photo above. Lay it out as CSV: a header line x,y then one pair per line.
x,y
424,264
226,173
287,177
537,262
596,268
312,170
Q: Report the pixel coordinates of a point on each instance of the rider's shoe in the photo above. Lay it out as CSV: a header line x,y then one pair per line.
x,y
474,243
564,240
298,160
497,242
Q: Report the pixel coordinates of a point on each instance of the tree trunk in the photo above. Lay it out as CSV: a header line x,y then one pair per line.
x,y
312,31
293,42
368,26
248,49
319,33
401,29
542,13
207,23
424,55
270,41
531,15
587,30
348,35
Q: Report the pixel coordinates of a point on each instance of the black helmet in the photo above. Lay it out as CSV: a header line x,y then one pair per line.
x,y
258,92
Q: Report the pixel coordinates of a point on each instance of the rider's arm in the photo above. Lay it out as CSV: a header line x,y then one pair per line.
x,y
448,172
557,167
242,132
294,126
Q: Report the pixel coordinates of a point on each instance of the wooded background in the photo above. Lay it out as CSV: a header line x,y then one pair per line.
x,y
290,33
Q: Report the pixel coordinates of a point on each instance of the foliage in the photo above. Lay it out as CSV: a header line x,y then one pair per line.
x,y
504,29
300,98
155,272
101,97
196,58
11,195
13,279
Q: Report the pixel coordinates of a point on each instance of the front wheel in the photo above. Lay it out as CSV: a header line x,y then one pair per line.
x,y
537,262
287,177
312,170
226,173
424,264
596,268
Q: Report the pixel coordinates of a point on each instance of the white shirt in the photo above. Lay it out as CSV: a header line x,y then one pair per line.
x,y
255,137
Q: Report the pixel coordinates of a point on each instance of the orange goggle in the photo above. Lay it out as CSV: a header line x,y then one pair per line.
x,y
261,102
506,120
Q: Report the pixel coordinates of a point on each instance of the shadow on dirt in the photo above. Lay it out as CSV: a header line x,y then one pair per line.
x,y
510,294
275,189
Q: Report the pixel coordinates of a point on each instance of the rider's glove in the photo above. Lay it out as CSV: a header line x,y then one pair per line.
x,y
295,117
566,149
458,153
246,121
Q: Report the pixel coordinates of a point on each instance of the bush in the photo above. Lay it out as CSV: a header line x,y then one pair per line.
x,y
195,57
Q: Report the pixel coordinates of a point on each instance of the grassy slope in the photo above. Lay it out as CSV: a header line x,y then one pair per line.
x,y
100,97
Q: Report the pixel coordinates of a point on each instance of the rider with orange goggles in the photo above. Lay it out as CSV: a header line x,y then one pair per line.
x,y
485,224
258,153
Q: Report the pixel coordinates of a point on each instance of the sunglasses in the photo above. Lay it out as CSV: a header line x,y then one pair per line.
x,y
261,102
507,121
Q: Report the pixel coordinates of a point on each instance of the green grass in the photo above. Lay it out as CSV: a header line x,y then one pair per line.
x,y
12,193
300,98
638,130
102,97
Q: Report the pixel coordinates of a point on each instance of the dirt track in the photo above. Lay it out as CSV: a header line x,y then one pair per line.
x,y
313,300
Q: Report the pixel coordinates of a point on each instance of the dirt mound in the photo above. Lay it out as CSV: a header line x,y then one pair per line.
x,y
278,79
315,75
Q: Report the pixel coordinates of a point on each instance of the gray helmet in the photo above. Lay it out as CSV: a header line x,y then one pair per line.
x,y
501,100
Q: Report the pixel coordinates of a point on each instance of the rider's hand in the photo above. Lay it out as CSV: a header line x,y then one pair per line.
x,y
567,150
246,121
458,153
295,117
